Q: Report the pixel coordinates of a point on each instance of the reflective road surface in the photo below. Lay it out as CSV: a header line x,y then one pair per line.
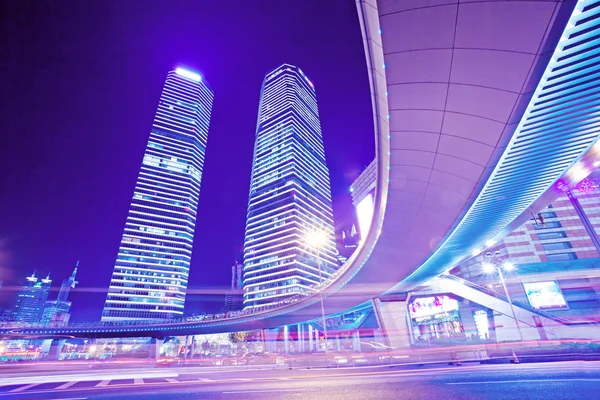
x,y
559,380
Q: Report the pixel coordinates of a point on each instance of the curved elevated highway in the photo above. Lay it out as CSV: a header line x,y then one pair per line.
x,y
479,108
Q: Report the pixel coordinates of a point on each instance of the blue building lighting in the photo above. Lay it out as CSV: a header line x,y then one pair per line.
x,y
290,193
150,276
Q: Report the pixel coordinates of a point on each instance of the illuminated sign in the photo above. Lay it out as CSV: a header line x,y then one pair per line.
x,y
545,295
435,307
364,212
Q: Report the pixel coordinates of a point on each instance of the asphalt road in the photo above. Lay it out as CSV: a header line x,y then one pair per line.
x,y
560,380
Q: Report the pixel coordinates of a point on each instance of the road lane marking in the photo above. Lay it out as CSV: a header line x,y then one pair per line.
x,y
72,398
527,381
103,383
84,377
172,380
23,388
66,385
138,381
264,391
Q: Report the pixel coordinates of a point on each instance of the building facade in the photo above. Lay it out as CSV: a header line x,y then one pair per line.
x,y
566,230
363,194
290,194
31,300
234,297
150,275
57,312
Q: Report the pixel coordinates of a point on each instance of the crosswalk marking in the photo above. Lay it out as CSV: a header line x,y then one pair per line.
x,y
170,380
138,381
206,380
103,383
22,388
66,385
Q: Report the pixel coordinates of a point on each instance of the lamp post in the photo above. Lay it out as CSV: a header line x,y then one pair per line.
x,y
316,240
494,265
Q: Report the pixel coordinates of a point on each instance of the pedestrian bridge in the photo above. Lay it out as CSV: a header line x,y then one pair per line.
x,y
482,112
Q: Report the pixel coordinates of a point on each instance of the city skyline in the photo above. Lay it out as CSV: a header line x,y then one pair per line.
x,y
150,276
290,193
104,99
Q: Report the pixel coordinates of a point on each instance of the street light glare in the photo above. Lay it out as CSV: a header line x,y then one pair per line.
x,y
508,266
488,267
316,239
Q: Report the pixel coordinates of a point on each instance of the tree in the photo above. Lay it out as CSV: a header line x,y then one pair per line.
x,y
239,337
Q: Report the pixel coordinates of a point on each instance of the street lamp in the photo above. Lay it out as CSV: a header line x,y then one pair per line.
x,y
494,265
316,240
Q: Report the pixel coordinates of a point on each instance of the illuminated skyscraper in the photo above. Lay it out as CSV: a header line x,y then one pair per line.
x,y
57,311
290,194
150,276
32,299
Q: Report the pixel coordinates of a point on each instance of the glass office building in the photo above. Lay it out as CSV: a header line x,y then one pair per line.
x,y
32,299
150,276
290,194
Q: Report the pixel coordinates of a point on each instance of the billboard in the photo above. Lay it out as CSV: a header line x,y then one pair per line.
x,y
424,306
545,295
364,212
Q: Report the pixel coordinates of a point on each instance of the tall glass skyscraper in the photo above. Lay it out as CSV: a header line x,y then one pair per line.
x,y
150,276
290,194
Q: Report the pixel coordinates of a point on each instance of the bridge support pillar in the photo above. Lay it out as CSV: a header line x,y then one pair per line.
x,y
392,319
310,338
56,346
193,347
356,341
185,349
300,347
286,339
155,346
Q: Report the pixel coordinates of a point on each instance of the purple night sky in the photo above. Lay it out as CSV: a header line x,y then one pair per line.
x,y
80,85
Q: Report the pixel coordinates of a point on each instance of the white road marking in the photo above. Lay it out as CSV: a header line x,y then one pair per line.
x,y
172,380
138,381
72,398
264,391
22,388
84,377
103,383
66,385
527,381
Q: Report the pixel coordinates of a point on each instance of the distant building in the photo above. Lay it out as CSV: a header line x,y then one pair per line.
x,y
347,244
6,315
150,275
32,299
56,312
234,298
